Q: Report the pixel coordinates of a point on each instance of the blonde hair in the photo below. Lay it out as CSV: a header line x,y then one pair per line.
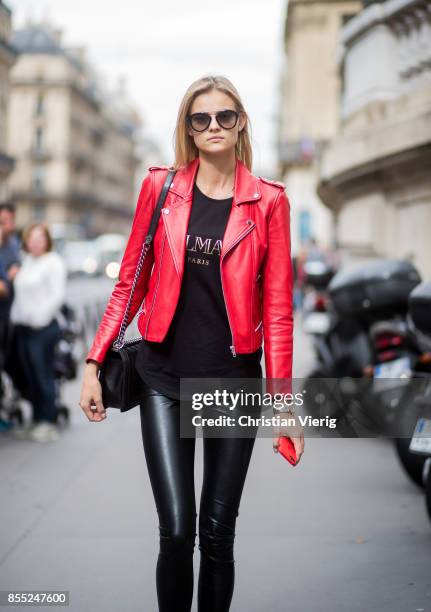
x,y
184,146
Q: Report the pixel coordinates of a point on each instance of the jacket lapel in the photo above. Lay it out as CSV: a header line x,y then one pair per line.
x,y
246,189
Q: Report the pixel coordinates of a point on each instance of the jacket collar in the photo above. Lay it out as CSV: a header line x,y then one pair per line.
x,y
246,187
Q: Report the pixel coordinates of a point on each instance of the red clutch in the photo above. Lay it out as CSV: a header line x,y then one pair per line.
x,y
287,449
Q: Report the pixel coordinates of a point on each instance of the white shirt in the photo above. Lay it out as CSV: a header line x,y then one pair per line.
x,y
40,289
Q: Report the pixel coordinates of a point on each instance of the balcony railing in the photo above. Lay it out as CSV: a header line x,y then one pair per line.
x,y
6,164
38,153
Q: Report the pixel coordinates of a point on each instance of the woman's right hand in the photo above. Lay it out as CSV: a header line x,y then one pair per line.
x,y
91,393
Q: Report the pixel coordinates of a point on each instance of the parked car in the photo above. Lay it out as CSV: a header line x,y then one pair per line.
x,y
111,249
82,257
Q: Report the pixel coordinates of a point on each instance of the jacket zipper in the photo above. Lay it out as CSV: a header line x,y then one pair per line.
x,y
240,237
157,286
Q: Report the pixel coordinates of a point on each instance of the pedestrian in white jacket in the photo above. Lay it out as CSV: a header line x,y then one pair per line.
x,y
40,291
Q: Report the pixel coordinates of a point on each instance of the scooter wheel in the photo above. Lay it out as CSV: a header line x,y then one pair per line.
x,y
428,490
411,462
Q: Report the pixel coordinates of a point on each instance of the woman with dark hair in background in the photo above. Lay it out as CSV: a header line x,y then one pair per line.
x,y
222,282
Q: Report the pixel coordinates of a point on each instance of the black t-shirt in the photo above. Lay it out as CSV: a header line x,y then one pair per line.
x,y
197,344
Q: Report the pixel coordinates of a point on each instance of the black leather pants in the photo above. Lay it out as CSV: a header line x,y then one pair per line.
x,y
170,461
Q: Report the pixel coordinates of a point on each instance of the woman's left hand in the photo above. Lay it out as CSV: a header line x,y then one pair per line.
x,y
293,430
4,290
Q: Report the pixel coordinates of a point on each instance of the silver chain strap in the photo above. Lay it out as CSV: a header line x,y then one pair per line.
x,y
119,342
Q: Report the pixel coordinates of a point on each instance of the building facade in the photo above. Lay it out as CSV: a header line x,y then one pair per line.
x,y
7,59
75,157
376,174
309,109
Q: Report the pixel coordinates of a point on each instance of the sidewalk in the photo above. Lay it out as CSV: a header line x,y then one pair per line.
x,y
344,531
334,534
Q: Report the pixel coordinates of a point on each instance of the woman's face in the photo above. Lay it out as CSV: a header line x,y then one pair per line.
x,y
36,242
211,102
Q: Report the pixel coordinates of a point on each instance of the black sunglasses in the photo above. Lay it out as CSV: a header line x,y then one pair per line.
x,y
227,119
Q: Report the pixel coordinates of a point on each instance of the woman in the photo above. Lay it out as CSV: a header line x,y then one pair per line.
x,y
40,290
222,272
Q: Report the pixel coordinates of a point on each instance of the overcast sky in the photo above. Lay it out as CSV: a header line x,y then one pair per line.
x,y
161,47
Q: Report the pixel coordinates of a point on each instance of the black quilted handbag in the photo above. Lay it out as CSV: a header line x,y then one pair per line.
x,y
120,382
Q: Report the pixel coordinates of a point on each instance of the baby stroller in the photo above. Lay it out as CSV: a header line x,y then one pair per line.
x,y
13,384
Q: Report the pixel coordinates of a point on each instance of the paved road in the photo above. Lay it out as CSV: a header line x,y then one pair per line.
x,y
345,531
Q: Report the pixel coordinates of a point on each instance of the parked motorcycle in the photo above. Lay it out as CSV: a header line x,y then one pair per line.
x,y
414,447
315,314
368,348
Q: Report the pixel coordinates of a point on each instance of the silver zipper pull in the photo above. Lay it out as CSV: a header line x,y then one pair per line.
x,y
232,348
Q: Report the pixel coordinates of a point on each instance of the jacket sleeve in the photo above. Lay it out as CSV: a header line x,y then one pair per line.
x,y
277,299
109,326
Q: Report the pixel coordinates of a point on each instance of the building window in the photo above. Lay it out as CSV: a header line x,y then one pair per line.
x,y
38,212
39,104
38,179
3,109
38,139
304,225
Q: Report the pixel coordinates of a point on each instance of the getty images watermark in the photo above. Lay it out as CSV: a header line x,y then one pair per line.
x,y
320,407
222,411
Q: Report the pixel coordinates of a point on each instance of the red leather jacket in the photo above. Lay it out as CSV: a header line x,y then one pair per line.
x,y
255,265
